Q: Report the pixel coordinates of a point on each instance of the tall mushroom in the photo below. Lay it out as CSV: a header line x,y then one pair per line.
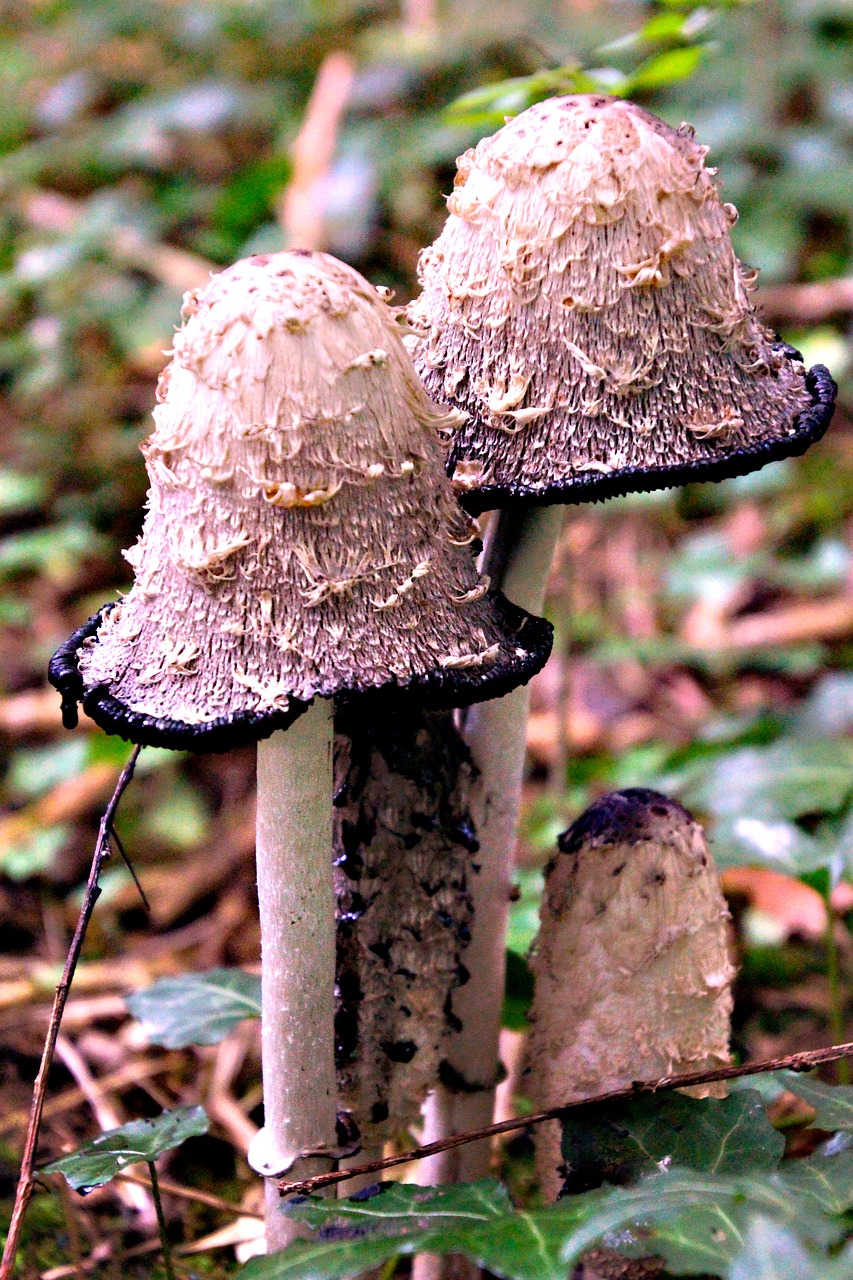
x,y
302,543
585,309
632,965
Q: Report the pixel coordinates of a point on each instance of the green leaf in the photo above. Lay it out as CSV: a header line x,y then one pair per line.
x,y
20,492
196,1008
33,851
488,106
181,819
518,992
756,795
619,1142
698,1221
666,68
99,1160
37,770
790,779
524,912
832,1103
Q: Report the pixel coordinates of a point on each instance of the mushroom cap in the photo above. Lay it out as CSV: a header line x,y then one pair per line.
x,y
302,537
584,307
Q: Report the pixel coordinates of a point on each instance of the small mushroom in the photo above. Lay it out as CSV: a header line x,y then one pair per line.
x,y
584,308
632,967
302,542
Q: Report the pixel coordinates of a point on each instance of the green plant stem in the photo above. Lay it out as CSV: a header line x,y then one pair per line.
x,y
833,975
161,1220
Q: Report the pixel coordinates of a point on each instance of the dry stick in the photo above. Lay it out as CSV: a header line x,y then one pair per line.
x,y
26,1182
301,208
793,1062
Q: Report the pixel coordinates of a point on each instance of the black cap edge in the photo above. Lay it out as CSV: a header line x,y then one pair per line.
x,y
225,733
592,486
443,690
439,690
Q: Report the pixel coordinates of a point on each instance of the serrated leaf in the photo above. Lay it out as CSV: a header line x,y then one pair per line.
x,y
196,1008
619,1142
99,1160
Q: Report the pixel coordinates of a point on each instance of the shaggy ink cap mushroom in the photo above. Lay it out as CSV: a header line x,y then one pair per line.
x,y
302,538
584,307
632,967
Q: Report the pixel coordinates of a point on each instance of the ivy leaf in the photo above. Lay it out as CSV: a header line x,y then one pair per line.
x,y
196,1008
99,1160
618,1142
757,795
697,1221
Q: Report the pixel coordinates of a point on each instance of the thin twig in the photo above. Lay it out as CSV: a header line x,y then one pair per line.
x,y
793,1062
126,860
25,1182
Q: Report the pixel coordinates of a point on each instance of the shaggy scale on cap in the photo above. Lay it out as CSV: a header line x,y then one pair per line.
x,y
584,307
632,968
301,538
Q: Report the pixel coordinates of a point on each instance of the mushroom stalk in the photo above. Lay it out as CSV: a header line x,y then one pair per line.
x,y
295,895
518,557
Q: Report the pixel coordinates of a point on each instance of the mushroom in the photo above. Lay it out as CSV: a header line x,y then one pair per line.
x,y
583,306
632,967
302,543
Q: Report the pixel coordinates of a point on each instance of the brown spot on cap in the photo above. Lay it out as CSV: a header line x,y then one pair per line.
x,y
584,307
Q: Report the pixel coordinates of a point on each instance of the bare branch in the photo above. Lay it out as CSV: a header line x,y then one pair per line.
x,y
302,205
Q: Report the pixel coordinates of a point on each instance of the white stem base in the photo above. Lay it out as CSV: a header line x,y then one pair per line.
x,y
297,913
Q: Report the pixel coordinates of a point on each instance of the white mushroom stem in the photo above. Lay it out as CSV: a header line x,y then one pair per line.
x,y
496,734
297,912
